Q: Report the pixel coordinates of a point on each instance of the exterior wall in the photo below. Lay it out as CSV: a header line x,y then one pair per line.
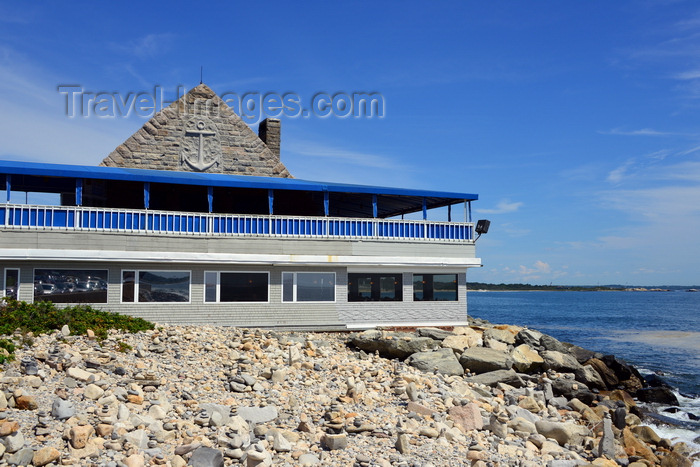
x,y
407,312
272,314
104,242
275,313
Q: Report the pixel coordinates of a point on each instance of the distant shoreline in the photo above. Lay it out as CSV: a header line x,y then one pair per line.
x,y
486,287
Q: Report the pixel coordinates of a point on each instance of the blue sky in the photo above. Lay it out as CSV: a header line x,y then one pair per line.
x,y
575,122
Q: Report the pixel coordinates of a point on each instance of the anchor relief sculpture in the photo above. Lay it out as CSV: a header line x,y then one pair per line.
x,y
200,147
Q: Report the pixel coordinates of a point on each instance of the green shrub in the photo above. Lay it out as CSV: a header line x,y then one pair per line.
x,y
43,317
123,347
6,346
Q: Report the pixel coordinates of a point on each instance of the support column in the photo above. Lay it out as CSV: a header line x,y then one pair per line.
x,y
271,201
210,198
326,203
425,209
449,213
8,187
374,206
78,191
146,195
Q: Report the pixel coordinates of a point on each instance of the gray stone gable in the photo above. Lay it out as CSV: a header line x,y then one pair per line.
x,y
198,133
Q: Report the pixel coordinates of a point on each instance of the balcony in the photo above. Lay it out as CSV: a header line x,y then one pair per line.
x,y
145,222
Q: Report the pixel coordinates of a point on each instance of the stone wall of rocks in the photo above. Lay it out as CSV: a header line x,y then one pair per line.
x,y
270,132
212,396
163,143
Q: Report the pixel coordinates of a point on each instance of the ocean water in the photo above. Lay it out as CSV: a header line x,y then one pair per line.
x,y
655,331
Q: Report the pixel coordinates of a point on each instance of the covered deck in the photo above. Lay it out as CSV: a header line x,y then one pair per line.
x,y
109,199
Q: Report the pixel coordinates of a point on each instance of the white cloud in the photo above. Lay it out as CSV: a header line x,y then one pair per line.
x,y
689,151
539,271
664,203
616,175
540,267
688,75
514,230
503,207
650,167
145,47
657,222
33,124
313,149
640,132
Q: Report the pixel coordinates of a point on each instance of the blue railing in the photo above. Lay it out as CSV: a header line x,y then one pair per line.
x,y
14,216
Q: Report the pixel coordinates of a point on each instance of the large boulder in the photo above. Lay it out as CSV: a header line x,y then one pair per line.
x,y
442,360
529,337
491,343
475,337
646,434
255,415
505,334
581,354
492,378
482,360
393,345
467,417
434,333
206,457
559,361
608,376
656,381
658,395
526,360
568,387
636,447
457,343
628,375
550,343
522,424
563,433
588,375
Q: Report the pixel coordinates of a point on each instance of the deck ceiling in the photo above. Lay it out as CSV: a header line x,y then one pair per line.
x,y
345,199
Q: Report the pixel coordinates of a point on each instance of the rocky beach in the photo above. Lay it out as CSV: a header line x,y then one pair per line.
x,y
480,395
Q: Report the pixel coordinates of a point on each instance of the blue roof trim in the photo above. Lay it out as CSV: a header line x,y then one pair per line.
x,y
209,179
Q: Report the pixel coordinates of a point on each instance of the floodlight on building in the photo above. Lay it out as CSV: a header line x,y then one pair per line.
x,y
482,227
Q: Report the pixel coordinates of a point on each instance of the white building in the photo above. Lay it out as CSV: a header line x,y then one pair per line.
x,y
194,219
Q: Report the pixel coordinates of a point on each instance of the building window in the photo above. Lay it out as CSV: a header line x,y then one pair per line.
x,y
70,285
11,283
308,286
375,287
211,282
435,287
236,286
155,286
128,286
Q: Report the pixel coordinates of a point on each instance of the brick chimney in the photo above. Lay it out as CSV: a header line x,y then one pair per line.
x,y
269,132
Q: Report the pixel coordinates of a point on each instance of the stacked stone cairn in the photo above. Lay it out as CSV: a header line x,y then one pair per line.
x,y
481,395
